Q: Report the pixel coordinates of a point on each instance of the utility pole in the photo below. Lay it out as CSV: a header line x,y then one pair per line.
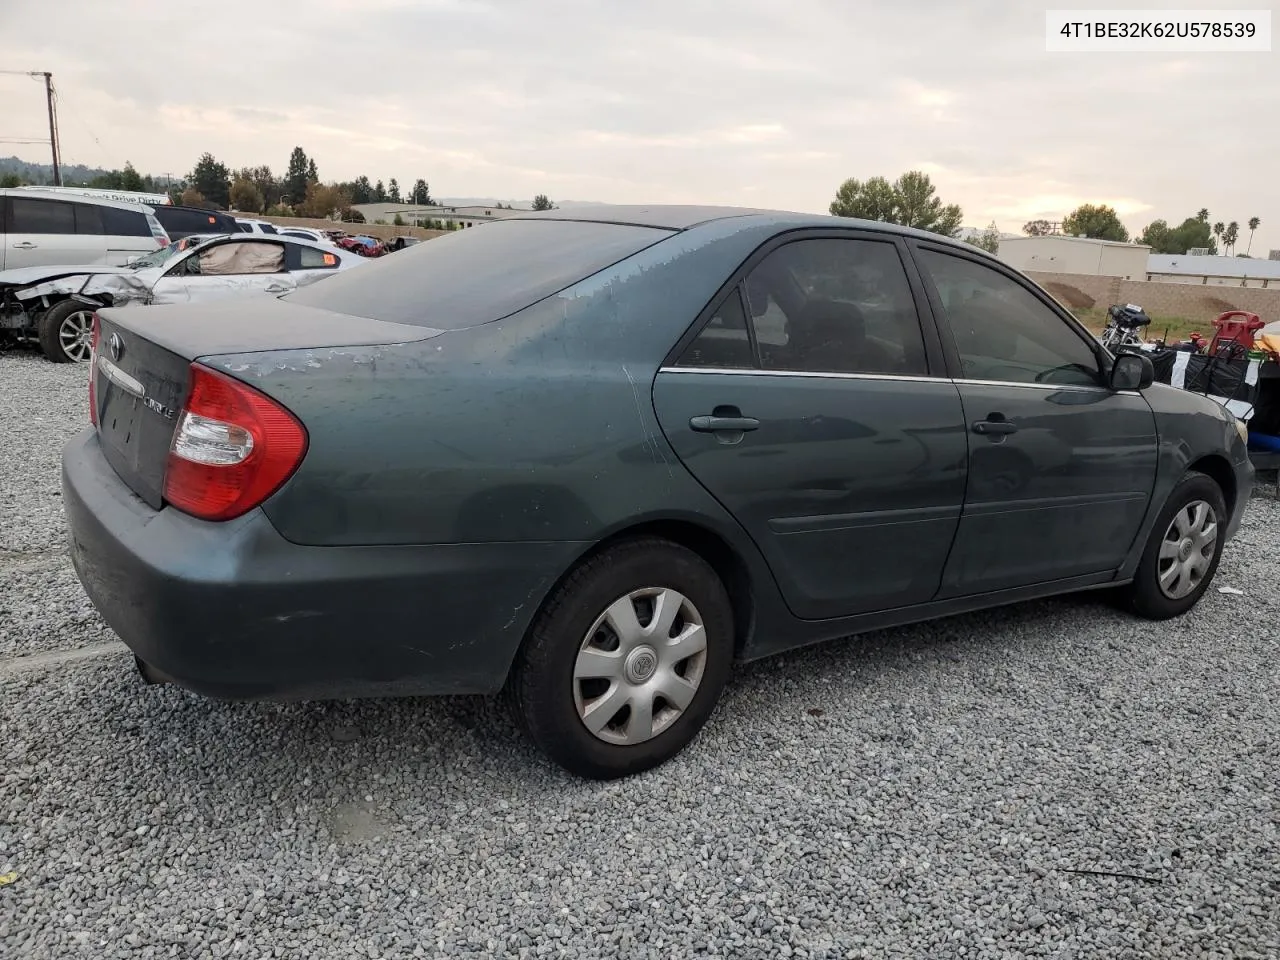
x,y
53,116
53,127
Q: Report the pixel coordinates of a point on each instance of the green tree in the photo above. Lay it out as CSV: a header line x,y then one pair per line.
x,y
988,239
540,202
1254,223
1219,229
191,197
352,216
918,206
1229,237
296,177
1203,215
268,185
397,220
130,179
421,194
910,201
1095,222
393,191
212,180
379,193
312,175
110,180
1193,232
873,200
246,196
1037,228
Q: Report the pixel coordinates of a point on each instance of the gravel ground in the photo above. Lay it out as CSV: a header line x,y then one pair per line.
x,y
934,791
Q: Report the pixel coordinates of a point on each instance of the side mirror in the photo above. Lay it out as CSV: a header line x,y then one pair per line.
x,y
1132,371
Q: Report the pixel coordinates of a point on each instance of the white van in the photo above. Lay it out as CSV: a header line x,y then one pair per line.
x,y
120,196
40,227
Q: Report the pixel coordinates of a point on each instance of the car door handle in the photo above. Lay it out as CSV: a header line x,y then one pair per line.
x,y
275,288
25,245
996,428
714,424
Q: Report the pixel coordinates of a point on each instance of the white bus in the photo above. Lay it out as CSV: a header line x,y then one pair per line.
x,y
120,196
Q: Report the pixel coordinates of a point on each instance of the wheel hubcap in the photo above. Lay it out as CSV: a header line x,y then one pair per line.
x,y
76,335
1186,552
640,665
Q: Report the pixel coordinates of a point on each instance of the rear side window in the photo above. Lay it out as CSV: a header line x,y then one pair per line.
x,y
309,258
267,228
88,219
724,341
124,223
836,306
474,276
41,216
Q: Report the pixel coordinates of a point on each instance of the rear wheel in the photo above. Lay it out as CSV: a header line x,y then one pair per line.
x,y
625,663
1182,552
66,332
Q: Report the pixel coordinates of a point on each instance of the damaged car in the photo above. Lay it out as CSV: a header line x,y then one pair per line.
x,y
53,305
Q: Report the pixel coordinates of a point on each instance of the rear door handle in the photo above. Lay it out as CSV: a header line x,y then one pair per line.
x,y
995,427
714,424
24,245
276,288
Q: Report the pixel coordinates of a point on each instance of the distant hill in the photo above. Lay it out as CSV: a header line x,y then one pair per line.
x,y
42,173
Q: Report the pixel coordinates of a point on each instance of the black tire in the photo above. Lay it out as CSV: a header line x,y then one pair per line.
x,y
542,687
50,331
1144,596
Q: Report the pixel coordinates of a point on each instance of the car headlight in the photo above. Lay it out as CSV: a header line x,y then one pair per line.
x,y
1242,428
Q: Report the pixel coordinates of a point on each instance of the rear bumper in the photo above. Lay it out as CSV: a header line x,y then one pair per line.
x,y
235,610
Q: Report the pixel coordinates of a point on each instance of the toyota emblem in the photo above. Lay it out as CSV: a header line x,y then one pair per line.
x,y
115,346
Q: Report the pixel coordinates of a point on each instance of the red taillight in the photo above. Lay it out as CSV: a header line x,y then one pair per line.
x,y
164,241
93,369
233,448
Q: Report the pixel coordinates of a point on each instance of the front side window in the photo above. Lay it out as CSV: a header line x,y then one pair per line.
x,y
238,258
41,216
125,223
836,306
1004,332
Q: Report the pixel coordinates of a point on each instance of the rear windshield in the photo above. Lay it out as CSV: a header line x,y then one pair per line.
x,y
477,275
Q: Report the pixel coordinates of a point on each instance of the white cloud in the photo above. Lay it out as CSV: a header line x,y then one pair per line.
x,y
773,106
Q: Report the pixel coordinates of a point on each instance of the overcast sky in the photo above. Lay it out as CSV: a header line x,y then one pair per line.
x,y
751,102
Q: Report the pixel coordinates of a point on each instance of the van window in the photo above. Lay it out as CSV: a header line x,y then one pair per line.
x,y
41,216
124,223
88,219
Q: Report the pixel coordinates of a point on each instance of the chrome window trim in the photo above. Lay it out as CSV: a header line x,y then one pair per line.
x,y
756,372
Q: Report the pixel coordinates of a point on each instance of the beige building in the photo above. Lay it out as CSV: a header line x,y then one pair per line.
x,y
1058,254
410,214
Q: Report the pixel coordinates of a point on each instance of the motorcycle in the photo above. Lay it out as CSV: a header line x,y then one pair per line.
x,y
1123,324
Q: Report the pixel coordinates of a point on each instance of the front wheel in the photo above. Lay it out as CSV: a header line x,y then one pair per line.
x,y
625,663
66,332
1182,552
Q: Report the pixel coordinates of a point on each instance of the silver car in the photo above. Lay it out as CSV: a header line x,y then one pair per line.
x,y
54,305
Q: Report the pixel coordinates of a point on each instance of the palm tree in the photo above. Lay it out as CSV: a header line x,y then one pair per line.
x,y
1217,230
1203,215
1254,222
1231,235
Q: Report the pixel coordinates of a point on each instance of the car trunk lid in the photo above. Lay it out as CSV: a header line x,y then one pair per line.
x,y
142,367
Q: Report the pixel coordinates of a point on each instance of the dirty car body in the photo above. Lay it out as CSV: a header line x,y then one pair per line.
x,y
169,275
465,429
